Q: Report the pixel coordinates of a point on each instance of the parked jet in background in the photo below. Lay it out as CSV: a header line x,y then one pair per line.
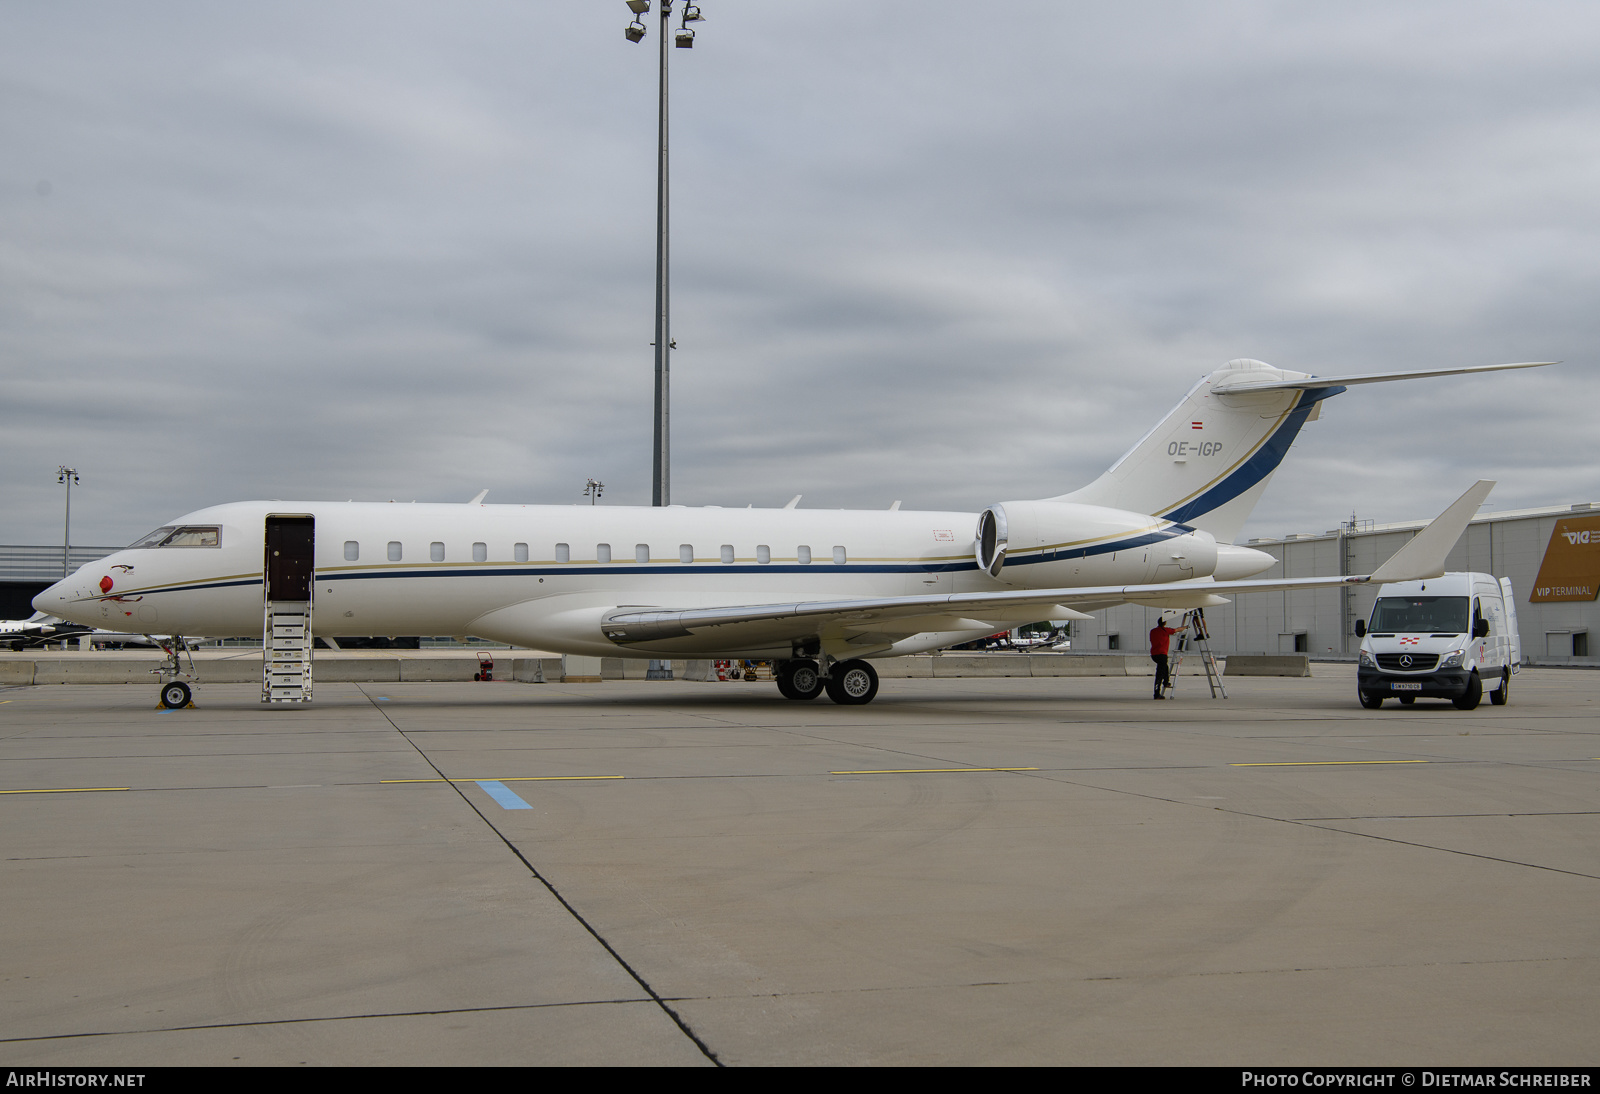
x,y
36,630
819,592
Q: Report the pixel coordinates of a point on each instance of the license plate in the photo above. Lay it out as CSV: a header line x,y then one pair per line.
x,y
1405,687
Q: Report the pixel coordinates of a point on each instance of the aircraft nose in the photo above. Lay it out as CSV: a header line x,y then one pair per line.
x,y
58,599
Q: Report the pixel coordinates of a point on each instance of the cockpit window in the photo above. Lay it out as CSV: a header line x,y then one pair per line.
x,y
188,535
153,539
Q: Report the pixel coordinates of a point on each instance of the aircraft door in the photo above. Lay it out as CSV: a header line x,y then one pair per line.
x,y
287,576
290,557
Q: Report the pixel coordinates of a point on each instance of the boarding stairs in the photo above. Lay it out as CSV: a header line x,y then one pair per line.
x,y
286,648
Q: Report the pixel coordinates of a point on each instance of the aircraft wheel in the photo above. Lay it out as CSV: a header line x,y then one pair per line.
x,y
1407,700
853,683
175,696
1472,696
1370,701
1502,696
799,680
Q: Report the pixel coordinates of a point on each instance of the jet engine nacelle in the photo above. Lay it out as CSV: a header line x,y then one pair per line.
x,y
1049,544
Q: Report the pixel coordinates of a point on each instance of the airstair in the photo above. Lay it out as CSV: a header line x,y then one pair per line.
x,y
286,649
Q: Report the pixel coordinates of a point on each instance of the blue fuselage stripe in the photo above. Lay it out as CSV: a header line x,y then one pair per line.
x,y
613,569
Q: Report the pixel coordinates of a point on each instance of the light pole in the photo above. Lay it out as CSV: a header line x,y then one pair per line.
x,y
67,476
661,464
593,490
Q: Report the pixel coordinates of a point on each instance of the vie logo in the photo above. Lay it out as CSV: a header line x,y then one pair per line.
x,y
1575,538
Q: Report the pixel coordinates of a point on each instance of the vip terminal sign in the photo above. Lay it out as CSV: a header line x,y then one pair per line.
x,y
1571,567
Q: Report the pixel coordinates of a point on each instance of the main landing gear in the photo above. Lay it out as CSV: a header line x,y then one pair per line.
x,y
848,683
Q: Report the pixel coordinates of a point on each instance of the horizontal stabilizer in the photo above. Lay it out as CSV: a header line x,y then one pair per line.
x,y
1425,555
1243,387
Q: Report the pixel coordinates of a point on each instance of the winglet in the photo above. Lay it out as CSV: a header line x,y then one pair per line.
x,y
1424,556
481,495
794,501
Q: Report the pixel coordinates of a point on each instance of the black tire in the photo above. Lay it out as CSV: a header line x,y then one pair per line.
x,y
175,696
1406,700
1472,696
1502,696
1369,700
799,680
852,683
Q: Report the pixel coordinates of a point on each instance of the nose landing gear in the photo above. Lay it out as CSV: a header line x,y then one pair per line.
x,y
177,691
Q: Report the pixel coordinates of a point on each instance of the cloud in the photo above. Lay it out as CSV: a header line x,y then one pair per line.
x,y
388,250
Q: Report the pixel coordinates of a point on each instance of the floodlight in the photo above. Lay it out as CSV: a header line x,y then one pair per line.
x,y
638,7
685,39
635,31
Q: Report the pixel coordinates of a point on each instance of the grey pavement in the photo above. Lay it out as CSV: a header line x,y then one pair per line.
x,y
708,873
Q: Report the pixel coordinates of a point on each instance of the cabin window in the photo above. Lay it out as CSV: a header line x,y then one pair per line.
x,y
602,552
563,553
763,553
519,552
352,550
838,556
394,550
436,551
641,552
727,552
803,555
685,552
480,552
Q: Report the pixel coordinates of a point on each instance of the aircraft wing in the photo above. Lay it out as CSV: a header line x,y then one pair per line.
x,y
1423,557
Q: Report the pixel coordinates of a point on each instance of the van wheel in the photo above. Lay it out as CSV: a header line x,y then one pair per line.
x,y
1502,696
1371,702
1472,696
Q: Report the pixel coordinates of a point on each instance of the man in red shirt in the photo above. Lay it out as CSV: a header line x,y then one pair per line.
x,y
1160,643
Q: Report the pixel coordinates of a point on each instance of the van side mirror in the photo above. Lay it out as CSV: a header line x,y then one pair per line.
x,y
1361,628
1480,628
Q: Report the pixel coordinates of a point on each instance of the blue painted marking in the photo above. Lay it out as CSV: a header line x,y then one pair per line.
x,y
1263,463
498,791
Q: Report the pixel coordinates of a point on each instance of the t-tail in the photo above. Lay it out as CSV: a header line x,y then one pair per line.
x,y
1207,463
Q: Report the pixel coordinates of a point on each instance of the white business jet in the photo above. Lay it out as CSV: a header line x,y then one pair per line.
x,y
821,593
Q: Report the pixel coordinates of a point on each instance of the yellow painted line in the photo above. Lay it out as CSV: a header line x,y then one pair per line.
x,y
68,790
929,770
502,779
1332,763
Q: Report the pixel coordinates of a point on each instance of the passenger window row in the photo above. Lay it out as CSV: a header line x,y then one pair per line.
x,y
602,552
726,553
436,553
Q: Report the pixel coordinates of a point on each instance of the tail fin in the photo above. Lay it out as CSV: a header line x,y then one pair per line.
x,y
1208,461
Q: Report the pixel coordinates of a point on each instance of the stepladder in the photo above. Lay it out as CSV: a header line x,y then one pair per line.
x,y
1196,640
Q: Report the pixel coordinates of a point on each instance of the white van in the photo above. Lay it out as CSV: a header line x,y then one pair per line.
x,y
1449,637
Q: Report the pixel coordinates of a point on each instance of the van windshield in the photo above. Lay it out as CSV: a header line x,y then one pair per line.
x,y
1420,613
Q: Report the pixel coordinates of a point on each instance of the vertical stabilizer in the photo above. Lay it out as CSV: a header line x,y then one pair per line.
x,y
1208,461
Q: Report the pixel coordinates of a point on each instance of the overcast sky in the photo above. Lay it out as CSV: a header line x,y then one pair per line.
x,y
942,252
